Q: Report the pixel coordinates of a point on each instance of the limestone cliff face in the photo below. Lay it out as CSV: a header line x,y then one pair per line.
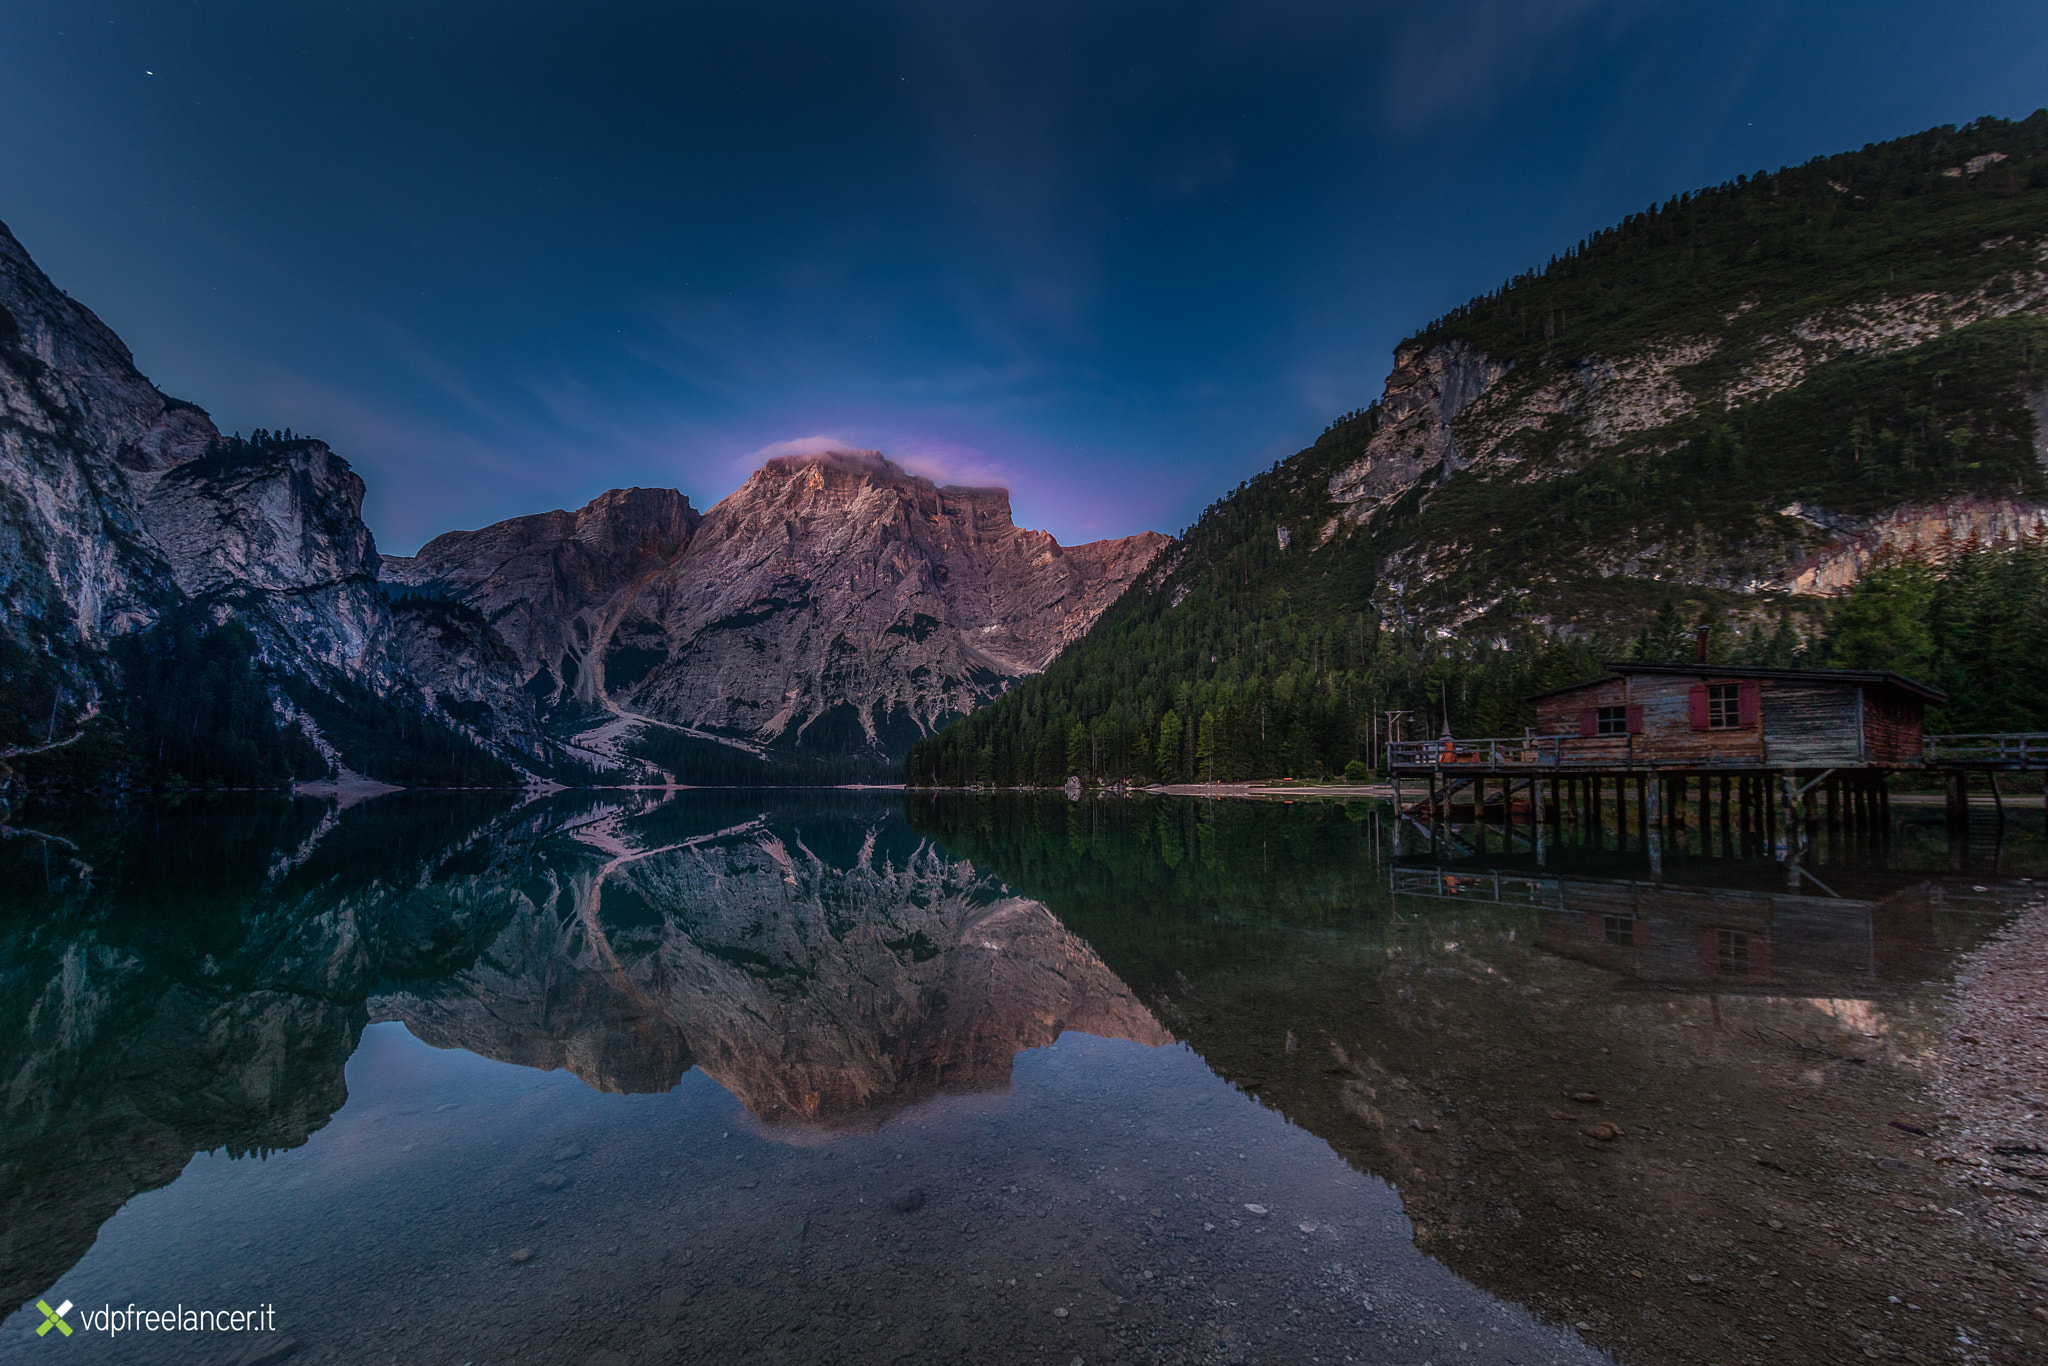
x,y
833,602
276,536
84,435
1424,395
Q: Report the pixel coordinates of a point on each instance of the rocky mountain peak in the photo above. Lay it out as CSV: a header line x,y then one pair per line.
x,y
834,603
842,478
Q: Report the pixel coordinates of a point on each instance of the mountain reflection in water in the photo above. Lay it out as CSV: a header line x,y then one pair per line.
x,y
1653,1102
822,968
198,980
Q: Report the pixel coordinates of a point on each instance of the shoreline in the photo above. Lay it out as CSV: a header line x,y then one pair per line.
x,y
1991,1086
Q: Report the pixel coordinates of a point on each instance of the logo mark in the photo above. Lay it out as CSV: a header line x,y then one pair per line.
x,y
54,1318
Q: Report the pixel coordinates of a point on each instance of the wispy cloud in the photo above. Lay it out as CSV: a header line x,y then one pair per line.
x,y
1469,56
946,463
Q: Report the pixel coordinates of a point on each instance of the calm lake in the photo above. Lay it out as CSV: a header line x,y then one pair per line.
x,y
837,1077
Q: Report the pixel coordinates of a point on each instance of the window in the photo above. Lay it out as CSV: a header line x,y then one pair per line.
x,y
1610,720
1731,950
1724,706
1621,930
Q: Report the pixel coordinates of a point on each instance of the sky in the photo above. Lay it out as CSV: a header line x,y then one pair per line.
x,y
1117,256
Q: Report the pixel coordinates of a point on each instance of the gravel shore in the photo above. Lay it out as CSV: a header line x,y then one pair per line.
x,y
1992,1085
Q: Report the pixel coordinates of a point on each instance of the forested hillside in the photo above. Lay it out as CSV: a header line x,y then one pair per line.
x,y
1718,413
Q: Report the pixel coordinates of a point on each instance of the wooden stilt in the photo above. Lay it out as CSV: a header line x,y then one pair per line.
x,y
1727,826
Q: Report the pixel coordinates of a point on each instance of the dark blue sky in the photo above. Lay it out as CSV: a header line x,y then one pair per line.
x,y
1116,255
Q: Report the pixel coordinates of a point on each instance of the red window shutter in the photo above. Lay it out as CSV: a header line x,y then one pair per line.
x,y
1635,720
1746,697
1699,706
1589,721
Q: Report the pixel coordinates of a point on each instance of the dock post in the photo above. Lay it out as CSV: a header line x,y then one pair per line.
x,y
1653,822
1958,799
1788,783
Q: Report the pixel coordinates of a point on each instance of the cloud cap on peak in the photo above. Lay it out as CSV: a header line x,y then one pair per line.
x,y
872,464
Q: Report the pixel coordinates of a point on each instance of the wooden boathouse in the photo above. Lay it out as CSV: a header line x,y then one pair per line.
x,y
1751,745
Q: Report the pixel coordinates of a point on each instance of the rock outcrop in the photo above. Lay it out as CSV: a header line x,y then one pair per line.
x,y
1449,409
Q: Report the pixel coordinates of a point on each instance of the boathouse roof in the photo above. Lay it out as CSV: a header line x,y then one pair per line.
x,y
1842,677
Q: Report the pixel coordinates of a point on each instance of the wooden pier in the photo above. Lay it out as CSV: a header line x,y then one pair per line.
x,y
1738,752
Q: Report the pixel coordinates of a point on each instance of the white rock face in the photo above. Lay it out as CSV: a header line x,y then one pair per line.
x,y
82,437
1424,395
278,538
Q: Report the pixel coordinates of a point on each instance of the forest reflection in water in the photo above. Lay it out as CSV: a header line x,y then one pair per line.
x,y
183,980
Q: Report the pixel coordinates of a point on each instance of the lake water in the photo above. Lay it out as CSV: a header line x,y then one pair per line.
x,y
822,1077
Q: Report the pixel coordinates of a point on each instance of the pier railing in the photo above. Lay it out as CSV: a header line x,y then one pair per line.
x,y
1519,751
1452,884
1999,749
